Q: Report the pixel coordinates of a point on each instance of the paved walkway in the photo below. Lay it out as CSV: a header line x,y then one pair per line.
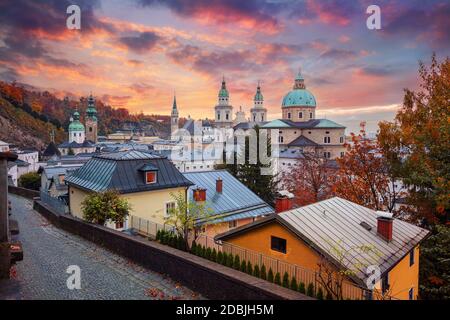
x,y
48,251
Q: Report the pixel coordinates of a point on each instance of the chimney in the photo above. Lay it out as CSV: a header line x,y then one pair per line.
x,y
199,194
384,225
283,203
219,185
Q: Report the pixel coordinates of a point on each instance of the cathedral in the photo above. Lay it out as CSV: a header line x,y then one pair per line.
x,y
299,130
81,140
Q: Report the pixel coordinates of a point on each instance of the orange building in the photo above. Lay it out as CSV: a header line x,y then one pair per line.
x,y
377,255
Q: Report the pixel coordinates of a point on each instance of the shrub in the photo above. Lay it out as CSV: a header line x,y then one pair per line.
x,y
194,247
225,259
243,266
203,254
270,275
220,257
158,235
256,271
263,272
237,263
214,255
294,284
180,243
319,295
249,268
301,288
208,253
285,280
230,260
310,290
329,296
31,180
277,279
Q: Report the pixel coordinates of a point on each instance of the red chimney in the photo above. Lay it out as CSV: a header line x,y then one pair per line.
x,y
283,203
199,194
219,185
384,227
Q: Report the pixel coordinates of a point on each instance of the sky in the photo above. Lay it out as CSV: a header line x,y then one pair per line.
x,y
137,53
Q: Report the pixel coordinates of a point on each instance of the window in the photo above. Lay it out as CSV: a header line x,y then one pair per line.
x,y
280,139
326,139
289,115
310,115
170,206
385,283
232,224
150,177
227,116
327,154
278,244
342,154
411,257
90,129
327,132
300,115
218,115
341,139
119,225
411,294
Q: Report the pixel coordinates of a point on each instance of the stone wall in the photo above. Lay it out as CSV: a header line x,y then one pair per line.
x,y
26,193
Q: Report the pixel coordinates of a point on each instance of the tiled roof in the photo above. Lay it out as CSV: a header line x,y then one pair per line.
x,y
236,200
51,150
120,171
302,141
336,224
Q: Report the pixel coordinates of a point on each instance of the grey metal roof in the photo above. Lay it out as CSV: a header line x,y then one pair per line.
x,y
236,200
74,145
302,141
50,172
120,171
336,223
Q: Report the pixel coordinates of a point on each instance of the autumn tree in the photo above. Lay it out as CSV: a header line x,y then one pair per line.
x,y
417,144
363,176
310,179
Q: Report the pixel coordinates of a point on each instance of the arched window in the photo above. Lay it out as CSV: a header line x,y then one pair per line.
x,y
289,115
300,115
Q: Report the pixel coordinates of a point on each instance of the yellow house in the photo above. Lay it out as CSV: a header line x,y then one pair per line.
x,y
146,180
379,254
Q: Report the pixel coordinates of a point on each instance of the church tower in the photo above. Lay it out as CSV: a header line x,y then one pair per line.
x,y
258,113
76,129
91,120
223,110
174,119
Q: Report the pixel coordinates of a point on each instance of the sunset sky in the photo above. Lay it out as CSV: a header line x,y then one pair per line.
x,y
137,53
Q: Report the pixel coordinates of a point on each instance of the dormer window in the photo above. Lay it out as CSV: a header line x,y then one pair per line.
x,y
150,177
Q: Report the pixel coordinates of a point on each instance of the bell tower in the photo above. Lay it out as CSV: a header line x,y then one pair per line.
x,y
258,113
91,120
223,110
174,119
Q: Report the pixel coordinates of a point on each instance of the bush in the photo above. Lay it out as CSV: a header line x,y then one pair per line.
x,y
194,248
301,288
31,180
237,263
329,296
319,295
310,290
214,255
270,275
294,284
230,260
180,243
158,235
263,272
220,257
249,268
285,280
256,271
208,253
225,259
243,266
203,254
277,279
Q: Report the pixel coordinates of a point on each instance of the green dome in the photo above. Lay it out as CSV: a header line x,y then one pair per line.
x,y
299,97
223,93
258,95
76,126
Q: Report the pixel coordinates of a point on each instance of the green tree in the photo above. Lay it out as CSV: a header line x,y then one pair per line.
x,y
435,265
100,207
250,172
417,144
294,285
256,271
243,266
237,262
285,280
270,275
263,272
301,287
249,268
31,180
319,295
310,290
277,279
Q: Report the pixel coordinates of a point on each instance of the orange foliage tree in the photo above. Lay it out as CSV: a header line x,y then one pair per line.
x,y
311,179
363,176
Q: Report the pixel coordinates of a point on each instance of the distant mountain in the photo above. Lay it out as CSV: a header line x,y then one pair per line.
x,y
27,116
